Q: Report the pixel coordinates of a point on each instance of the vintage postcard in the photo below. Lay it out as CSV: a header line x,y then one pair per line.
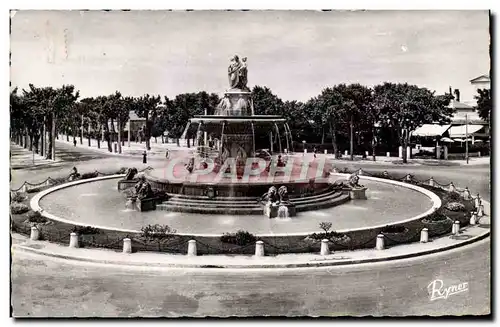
x,y
214,163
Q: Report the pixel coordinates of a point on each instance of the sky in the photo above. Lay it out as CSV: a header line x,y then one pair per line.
x,y
294,53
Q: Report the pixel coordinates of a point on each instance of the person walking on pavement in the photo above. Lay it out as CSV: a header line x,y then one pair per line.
x,y
144,159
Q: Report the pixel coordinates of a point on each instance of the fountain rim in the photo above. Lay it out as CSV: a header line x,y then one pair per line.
x,y
35,206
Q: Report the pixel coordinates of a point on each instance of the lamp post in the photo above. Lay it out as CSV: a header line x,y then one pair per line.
x,y
304,146
466,139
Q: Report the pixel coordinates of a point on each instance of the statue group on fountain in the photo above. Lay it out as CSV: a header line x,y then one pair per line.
x,y
278,203
238,73
143,189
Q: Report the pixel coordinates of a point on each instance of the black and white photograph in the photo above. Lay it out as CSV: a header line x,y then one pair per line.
x,y
250,163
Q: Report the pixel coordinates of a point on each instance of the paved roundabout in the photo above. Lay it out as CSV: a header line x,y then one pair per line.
x,y
398,287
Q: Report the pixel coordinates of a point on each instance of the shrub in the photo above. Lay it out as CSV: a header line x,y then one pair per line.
x,y
18,196
122,170
455,206
59,180
436,216
325,225
327,235
394,229
239,238
36,217
87,230
34,190
156,231
89,175
453,197
18,208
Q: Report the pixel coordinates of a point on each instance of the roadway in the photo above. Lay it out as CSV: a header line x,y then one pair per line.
x,y
47,287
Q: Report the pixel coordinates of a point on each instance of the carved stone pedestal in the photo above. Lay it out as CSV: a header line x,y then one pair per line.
x,y
358,193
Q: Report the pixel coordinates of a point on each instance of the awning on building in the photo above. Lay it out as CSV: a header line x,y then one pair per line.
x,y
459,131
430,130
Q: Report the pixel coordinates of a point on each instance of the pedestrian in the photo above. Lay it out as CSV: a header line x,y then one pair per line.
x,y
314,151
74,142
166,154
144,155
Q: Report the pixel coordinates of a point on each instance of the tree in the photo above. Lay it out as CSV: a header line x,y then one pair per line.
x,y
405,107
265,102
146,107
328,108
484,104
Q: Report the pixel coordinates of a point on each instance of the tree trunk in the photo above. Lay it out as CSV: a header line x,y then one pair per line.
x,y
67,135
106,136
53,137
374,144
334,140
119,135
81,132
147,135
351,137
322,135
88,135
42,140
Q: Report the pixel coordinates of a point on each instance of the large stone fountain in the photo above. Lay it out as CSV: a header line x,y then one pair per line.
x,y
240,160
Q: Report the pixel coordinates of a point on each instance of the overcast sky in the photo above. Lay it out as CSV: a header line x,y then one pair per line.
x,y
296,54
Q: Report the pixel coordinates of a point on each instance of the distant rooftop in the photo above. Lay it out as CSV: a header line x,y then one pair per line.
x,y
482,78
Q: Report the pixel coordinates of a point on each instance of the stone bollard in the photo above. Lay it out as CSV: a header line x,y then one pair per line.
x,y
466,195
346,152
73,240
408,178
385,174
367,153
480,211
360,172
35,234
47,183
473,218
477,201
380,242
388,154
286,150
192,248
305,151
432,182
456,228
326,151
324,247
452,188
259,249
127,245
424,235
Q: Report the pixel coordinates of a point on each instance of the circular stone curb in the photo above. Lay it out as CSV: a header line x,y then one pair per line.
x,y
35,206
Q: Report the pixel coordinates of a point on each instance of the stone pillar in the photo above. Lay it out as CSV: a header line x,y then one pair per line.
x,y
380,242
35,234
73,240
477,201
305,151
480,211
445,152
473,218
47,183
346,153
324,247
432,182
466,194
387,154
360,172
326,151
259,249
424,235
192,248
438,152
127,245
367,153
455,228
